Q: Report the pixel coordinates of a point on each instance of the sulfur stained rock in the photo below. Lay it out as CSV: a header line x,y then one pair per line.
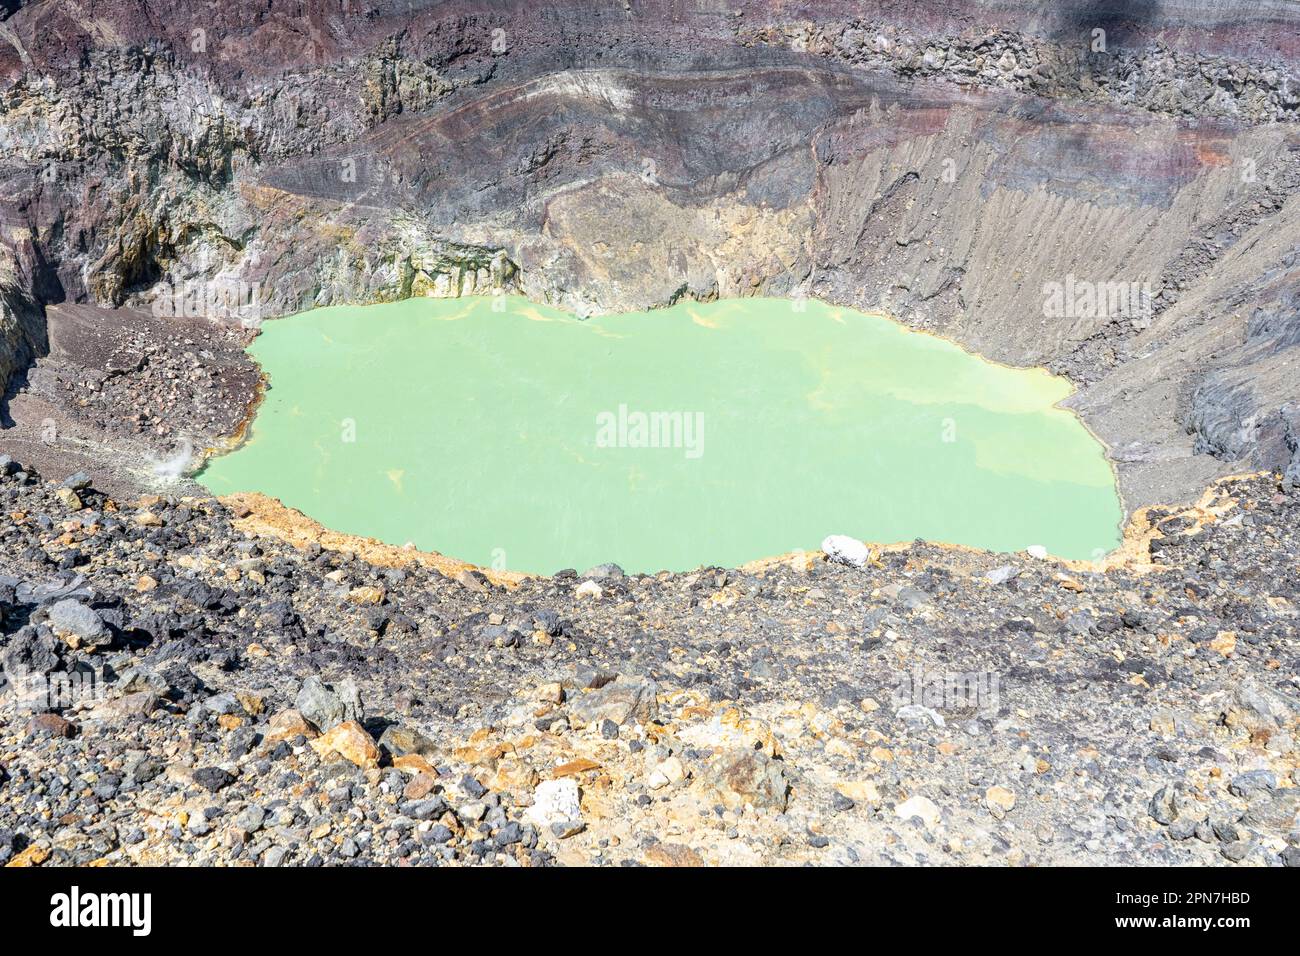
x,y
350,740
366,594
672,854
746,777
288,724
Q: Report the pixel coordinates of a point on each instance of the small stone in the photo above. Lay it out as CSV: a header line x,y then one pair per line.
x,y
472,811
1161,808
34,855
129,707
1184,828
420,786
607,570
1000,575
288,724
999,799
859,791
253,703
327,706
589,589
552,693
920,715
213,779
475,581
842,549
572,768
1225,642
509,834
672,854
70,499
250,819
403,742
1236,851
672,770
921,807
51,725
366,594
621,700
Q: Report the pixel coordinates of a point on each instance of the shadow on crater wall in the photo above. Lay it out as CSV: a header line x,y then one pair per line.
x,y
1126,22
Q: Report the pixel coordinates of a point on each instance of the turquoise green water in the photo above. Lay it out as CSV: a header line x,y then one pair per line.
x,y
519,437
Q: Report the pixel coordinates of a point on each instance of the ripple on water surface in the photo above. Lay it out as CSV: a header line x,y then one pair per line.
x,y
514,435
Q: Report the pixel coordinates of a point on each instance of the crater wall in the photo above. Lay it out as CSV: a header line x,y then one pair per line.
x,y
959,165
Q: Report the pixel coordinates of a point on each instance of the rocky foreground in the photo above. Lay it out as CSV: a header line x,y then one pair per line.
x,y
187,686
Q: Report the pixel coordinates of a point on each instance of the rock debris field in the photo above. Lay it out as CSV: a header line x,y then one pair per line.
x,y
187,687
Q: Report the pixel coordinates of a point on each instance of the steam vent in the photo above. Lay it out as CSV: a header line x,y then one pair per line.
x,y
649,433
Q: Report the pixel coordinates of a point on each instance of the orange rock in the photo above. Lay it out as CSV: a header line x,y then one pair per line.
x,y
420,786
288,724
350,740
413,763
253,704
513,774
672,854
1225,643
34,855
573,767
230,721
366,594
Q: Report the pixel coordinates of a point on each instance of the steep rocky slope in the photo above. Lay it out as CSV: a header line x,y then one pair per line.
x,y
233,687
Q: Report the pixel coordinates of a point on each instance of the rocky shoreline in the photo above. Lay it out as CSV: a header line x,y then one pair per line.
x,y
192,682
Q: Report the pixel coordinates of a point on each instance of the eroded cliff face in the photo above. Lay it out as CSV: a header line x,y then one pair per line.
x,y
948,163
